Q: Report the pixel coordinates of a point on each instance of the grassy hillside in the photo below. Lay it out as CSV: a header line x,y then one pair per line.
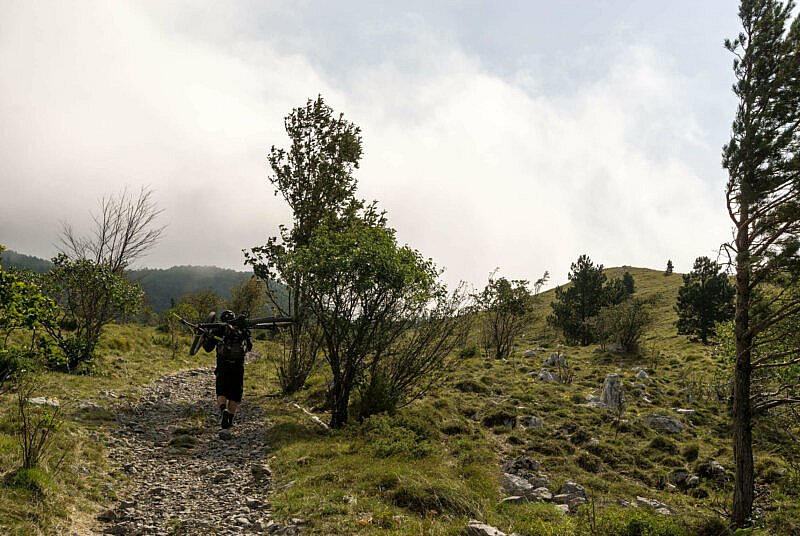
x,y
437,463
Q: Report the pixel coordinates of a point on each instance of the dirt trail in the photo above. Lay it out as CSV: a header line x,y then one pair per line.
x,y
184,476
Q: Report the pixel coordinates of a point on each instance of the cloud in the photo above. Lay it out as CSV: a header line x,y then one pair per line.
x,y
476,170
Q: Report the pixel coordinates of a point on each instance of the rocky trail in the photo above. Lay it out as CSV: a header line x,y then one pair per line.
x,y
184,475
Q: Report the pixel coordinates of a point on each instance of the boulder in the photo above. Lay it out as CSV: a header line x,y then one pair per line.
x,y
573,488
521,465
546,376
564,508
662,423
683,479
514,499
613,396
477,528
533,422
542,494
516,485
658,506
42,401
642,375
556,359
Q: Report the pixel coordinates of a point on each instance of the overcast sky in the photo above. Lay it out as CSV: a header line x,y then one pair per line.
x,y
516,135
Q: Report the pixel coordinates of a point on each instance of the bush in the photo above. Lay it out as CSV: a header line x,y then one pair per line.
x,y
32,479
425,498
624,323
407,436
468,351
691,452
637,522
664,444
471,386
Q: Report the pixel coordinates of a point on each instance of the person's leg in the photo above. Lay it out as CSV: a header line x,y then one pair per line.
x,y
234,387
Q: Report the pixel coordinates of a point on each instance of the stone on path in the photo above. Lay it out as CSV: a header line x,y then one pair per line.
x,y
181,487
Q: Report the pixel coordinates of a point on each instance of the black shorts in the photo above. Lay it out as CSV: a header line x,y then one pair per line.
x,y
230,379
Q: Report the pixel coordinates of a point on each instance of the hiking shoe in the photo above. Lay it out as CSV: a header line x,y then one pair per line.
x,y
227,420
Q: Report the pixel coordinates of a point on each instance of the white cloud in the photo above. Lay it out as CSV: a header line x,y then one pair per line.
x,y
476,171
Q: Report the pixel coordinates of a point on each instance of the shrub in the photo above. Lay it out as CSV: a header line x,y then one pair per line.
x,y
637,522
424,498
664,444
468,351
408,437
691,452
624,323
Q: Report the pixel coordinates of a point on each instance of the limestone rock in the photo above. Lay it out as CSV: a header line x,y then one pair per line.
x,y
42,401
542,494
477,528
516,485
658,506
613,396
546,376
556,359
533,422
642,375
564,508
662,423
521,465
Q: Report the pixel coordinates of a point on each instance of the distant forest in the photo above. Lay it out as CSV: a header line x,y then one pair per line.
x,y
161,286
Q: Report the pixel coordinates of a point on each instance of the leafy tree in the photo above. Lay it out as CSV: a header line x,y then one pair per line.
x,y
705,298
90,295
668,271
624,323
315,177
249,296
505,308
579,302
199,304
23,308
364,292
419,358
763,199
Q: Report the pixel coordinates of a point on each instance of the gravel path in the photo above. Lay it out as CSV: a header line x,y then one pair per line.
x,y
186,476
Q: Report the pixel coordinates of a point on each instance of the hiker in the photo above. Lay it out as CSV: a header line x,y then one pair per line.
x,y
233,342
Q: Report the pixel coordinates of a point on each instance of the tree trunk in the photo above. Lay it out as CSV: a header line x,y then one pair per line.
x,y
341,401
742,412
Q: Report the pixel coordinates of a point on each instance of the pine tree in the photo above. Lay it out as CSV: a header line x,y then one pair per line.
x,y
668,271
705,298
577,304
763,201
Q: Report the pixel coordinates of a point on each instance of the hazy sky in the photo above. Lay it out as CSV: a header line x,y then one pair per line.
x,y
496,134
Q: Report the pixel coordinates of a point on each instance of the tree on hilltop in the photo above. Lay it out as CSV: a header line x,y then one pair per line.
x,y
705,298
668,271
